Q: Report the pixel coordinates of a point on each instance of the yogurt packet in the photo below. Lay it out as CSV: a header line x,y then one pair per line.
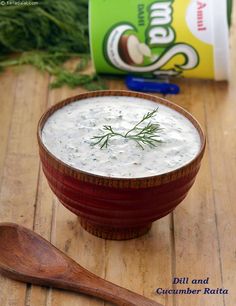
x,y
188,38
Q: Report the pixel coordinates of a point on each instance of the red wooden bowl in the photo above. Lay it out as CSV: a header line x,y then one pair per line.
x,y
118,208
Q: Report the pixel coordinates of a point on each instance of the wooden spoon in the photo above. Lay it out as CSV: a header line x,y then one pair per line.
x,y
27,257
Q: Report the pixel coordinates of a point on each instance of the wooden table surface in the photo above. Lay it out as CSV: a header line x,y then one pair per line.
x,y
197,241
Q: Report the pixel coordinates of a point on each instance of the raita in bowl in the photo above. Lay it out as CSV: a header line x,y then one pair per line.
x,y
119,160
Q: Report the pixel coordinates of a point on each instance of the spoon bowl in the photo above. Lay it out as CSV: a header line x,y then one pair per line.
x,y
17,253
26,256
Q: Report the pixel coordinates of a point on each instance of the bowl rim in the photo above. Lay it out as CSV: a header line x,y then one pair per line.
x,y
147,181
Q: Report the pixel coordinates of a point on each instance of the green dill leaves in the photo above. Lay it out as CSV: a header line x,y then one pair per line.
x,y
142,135
50,26
46,36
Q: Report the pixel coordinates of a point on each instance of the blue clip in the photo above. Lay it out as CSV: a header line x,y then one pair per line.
x,y
151,85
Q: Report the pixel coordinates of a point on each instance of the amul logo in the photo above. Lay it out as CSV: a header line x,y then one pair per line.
x,y
200,16
124,50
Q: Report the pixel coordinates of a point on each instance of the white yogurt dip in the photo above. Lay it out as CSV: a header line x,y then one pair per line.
x,y
68,134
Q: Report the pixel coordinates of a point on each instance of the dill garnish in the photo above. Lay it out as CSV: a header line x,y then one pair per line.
x,y
146,135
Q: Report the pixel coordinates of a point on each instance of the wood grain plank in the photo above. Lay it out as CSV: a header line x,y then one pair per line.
x,y
8,81
20,171
222,146
196,242
42,225
31,96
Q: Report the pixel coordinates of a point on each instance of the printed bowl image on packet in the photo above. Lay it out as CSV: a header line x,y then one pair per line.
x,y
161,37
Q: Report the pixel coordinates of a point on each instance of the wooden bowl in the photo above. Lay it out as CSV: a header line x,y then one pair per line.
x,y
118,208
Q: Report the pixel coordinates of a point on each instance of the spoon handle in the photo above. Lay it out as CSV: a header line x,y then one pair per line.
x,y
88,283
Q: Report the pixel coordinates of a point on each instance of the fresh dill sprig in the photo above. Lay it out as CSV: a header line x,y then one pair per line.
x,y
146,135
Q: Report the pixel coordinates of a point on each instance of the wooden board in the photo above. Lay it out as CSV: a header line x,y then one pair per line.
x,y
197,241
